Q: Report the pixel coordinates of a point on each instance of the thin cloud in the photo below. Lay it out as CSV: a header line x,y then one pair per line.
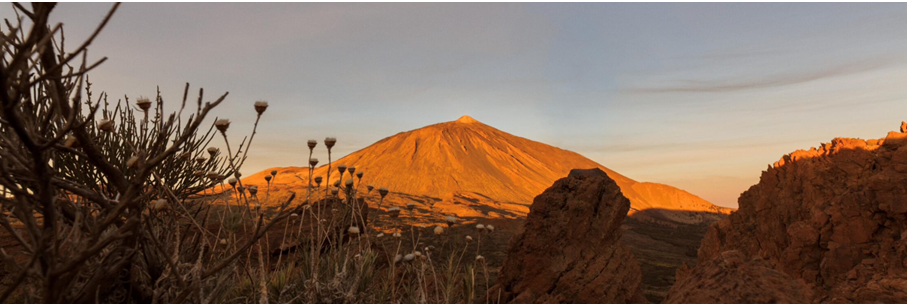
x,y
700,86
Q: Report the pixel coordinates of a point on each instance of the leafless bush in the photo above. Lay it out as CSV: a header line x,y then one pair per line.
x,y
96,198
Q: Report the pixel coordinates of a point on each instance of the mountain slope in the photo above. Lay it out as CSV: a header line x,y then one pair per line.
x,y
467,159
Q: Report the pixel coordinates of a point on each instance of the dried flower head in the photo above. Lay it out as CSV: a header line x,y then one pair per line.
x,y
71,141
312,143
253,190
489,228
330,142
241,189
353,230
379,235
294,215
222,125
451,220
397,235
199,173
409,257
480,226
342,169
352,170
336,183
335,191
369,187
398,258
212,175
268,178
480,258
232,182
132,161
185,155
273,172
359,174
143,103
468,238
223,242
394,212
348,183
410,206
160,204
318,180
313,162
439,230
106,125
261,106
200,159
382,191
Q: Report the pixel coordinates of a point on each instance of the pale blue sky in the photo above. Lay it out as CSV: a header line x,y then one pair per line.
x,y
699,96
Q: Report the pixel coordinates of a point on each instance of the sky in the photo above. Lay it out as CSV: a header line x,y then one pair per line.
x,y
698,96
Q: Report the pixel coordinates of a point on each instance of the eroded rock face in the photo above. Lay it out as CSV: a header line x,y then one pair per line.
x,y
834,217
733,278
569,251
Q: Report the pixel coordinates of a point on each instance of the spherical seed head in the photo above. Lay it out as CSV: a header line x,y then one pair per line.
x,y
480,227
232,181
352,170
318,180
348,183
132,161
330,142
222,125
106,125
409,257
312,143
353,230
160,204
468,238
268,178
71,141
439,230
489,227
383,191
313,162
335,191
273,172
143,103
370,187
359,174
212,151
261,106
341,168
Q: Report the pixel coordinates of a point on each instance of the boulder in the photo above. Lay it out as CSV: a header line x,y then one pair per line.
x,y
569,249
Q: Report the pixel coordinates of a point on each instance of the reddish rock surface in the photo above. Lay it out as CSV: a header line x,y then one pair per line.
x,y
733,278
569,249
834,217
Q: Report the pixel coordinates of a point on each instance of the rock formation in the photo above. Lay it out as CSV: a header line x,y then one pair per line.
x,y
834,217
569,251
733,278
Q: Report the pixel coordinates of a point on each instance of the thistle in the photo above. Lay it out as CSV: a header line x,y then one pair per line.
x,y
273,172
335,191
261,106
212,151
329,142
410,206
200,159
342,169
318,180
222,125
382,191
468,238
352,170
143,103
394,212
450,220
313,162
312,143
268,178
106,125
439,230
359,174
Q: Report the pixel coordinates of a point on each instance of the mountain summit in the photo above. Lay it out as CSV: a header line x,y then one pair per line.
x,y
470,160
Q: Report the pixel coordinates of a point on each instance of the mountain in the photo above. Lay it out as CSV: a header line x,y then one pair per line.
x,y
468,163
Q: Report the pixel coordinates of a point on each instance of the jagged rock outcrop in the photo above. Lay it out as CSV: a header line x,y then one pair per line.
x,y
834,217
569,249
733,278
